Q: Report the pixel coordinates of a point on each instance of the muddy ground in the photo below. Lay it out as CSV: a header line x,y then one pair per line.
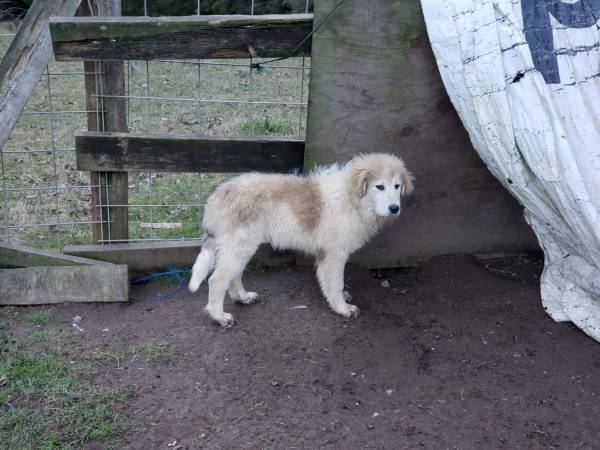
x,y
457,353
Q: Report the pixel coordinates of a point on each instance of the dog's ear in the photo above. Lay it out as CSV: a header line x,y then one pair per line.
x,y
407,183
359,181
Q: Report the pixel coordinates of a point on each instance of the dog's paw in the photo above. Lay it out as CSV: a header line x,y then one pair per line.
x,y
247,298
226,320
354,310
347,296
223,319
348,310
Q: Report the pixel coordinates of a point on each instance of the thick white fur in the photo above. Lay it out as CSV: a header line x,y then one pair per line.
x,y
329,214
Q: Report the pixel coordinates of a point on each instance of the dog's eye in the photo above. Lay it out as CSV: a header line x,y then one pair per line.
x,y
397,186
380,187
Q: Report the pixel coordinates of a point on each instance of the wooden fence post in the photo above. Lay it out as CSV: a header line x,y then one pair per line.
x,y
108,188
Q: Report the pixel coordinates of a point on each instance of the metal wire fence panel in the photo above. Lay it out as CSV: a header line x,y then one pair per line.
x,y
46,202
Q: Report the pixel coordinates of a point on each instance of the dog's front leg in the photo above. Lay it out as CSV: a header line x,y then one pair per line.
x,y
330,272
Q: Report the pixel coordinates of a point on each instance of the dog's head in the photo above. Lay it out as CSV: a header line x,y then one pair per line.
x,y
378,181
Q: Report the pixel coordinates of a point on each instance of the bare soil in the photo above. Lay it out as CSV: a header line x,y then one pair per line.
x,y
457,353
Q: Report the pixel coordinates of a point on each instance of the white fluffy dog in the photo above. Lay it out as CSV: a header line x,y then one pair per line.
x,y
329,214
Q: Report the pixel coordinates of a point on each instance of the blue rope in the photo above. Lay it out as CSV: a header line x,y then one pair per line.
x,y
180,274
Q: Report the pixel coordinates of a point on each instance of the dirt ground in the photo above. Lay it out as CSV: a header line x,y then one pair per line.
x,y
457,353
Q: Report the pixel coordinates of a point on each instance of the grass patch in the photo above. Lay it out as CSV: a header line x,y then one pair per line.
x,y
4,336
258,404
108,357
43,402
267,126
189,191
8,311
255,267
151,351
52,336
41,317
43,405
36,337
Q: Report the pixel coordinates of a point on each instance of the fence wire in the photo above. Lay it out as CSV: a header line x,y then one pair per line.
x,y
47,203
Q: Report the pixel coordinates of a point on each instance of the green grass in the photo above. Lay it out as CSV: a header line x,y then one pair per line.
x,y
41,317
190,191
266,126
258,404
107,357
37,337
36,170
45,405
151,351
255,267
7,311
4,336
44,401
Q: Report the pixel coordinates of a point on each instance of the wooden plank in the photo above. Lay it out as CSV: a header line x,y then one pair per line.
x,y
190,37
49,285
149,256
141,257
187,153
374,86
12,255
25,60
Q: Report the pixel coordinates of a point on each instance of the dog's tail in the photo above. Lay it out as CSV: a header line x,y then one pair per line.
x,y
205,262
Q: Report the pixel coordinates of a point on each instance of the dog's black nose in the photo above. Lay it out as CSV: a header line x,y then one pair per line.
x,y
394,208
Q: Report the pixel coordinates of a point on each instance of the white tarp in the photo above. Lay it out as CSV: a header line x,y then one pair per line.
x,y
524,76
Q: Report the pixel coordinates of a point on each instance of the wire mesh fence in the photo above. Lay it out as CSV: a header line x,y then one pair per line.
x,y
46,202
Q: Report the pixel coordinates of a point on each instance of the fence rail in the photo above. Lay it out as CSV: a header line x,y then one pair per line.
x,y
169,153
148,38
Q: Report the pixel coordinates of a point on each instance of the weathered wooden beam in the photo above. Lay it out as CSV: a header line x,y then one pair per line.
x,y
187,153
80,284
12,255
141,257
25,60
203,37
31,276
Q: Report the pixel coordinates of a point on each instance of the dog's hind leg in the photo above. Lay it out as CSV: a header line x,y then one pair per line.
x,y
238,293
217,285
231,260
330,273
